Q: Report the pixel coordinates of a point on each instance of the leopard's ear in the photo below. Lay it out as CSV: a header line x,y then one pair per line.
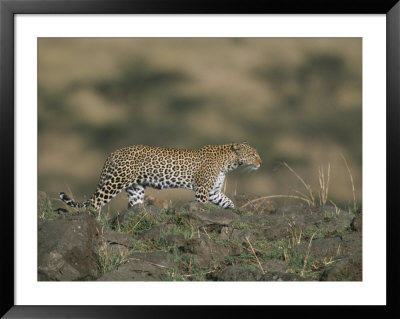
x,y
235,146
245,142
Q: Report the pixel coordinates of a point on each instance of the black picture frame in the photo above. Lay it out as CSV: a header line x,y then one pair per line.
x,y
8,10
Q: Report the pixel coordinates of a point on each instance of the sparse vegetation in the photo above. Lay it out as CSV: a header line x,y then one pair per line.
x,y
245,241
254,253
309,197
46,210
109,259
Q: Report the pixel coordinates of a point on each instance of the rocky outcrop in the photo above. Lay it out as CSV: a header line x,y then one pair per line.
x,y
66,248
154,242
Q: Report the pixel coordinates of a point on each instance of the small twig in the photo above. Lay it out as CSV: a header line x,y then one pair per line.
x,y
307,187
307,255
133,228
206,233
119,226
333,261
190,264
252,249
204,273
309,202
352,183
304,196
323,185
338,251
191,231
149,262
292,229
285,255
72,195
337,210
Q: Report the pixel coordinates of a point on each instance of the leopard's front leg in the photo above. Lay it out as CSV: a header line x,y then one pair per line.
x,y
221,199
216,196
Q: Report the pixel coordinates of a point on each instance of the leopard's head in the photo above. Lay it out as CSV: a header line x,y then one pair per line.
x,y
247,155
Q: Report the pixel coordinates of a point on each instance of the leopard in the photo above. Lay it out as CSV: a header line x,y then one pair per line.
x,y
201,170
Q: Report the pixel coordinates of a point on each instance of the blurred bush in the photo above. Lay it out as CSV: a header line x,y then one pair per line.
x,y
295,100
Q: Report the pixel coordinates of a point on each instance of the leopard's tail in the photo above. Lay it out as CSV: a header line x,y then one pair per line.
x,y
71,203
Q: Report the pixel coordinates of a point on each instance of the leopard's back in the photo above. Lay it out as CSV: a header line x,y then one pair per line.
x,y
159,167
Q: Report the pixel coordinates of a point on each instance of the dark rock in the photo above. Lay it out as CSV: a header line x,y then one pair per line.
x,y
236,273
141,267
156,232
356,223
115,238
322,247
193,207
175,239
295,211
74,247
219,217
225,233
235,235
158,258
280,224
278,276
118,244
274,266
276,233
352,243
330,217
162,232
128,214
66,248
347,269
61,210
207,251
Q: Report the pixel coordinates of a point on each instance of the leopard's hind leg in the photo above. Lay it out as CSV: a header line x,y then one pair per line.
x,y
135,194
111,184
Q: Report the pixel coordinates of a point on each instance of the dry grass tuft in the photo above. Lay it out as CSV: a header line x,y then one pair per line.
x,y
307,255
352,183
324,177
323,184
295,239
310,197
255,255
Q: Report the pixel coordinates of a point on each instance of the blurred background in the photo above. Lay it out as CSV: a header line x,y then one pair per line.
x,y
296,100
